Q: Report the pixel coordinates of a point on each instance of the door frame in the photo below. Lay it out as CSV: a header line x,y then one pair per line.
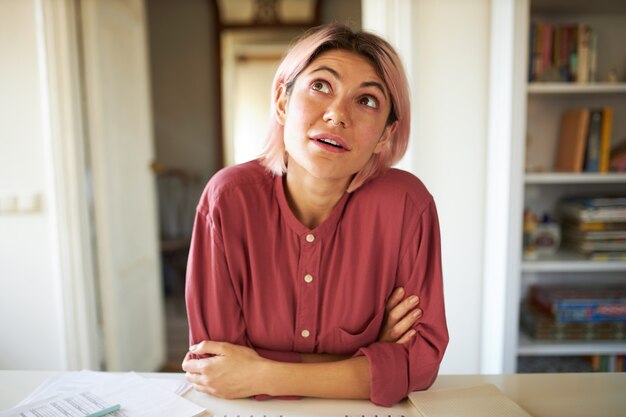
x,y
70,199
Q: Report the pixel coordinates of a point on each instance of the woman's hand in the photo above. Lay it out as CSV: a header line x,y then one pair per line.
x,y
400,315
232,371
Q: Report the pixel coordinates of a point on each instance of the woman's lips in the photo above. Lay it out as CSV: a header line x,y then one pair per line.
x,y
330,142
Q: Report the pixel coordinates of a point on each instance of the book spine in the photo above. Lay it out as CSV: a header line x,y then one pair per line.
x,y
592,157
582,70
538,58
546,48
572,40
531,52
590,311
593,56
605,139
563,62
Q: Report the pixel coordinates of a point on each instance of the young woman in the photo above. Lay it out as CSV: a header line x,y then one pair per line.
x,y
307,265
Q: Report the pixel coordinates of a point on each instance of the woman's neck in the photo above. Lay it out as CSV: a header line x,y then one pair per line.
x,y
311,199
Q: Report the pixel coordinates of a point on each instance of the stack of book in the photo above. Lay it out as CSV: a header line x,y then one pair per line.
x,y
595,226
607,363
585,140
562,53
575,313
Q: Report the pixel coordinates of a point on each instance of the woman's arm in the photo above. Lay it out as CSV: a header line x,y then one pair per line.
x,y
236,371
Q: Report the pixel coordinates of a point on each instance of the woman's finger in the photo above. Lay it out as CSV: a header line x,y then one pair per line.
x,y
395,299
403,326
402,309
406,337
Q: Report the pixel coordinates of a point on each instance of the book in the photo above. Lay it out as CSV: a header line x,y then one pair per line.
x,y
605,139
584,38
591,235
483,400
581,304
593,56
576,226
540,325
588,247
609,209
572,140
592,156
607,256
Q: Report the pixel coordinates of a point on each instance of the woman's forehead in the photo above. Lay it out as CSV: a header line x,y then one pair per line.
x,y
345,63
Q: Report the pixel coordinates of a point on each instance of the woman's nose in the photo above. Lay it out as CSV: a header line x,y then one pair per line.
x,y
337,115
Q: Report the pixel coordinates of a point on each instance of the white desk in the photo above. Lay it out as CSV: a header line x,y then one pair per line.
x,y
542,395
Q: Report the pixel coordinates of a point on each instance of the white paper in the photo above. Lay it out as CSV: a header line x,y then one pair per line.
x,y
76,405
137,396
484,400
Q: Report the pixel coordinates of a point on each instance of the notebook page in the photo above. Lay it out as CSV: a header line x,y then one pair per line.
x,y
484,400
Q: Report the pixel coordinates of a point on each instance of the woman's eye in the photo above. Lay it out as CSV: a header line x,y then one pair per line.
x,y
322,86
369,101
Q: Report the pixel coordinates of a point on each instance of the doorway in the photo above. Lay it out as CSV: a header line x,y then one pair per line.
x,y
209,84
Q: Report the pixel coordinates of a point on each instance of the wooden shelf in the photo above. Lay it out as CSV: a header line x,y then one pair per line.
x,y
574,88
575,178
578,6
571,263
530,347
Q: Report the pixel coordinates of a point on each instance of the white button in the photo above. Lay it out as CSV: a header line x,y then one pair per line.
x,y
305,333
308,278
310,238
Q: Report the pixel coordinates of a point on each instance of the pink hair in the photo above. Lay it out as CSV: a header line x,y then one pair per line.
x,y
389,67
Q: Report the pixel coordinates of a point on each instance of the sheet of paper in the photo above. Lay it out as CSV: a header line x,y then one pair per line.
x,y
484,400
138,396
77,405
70,382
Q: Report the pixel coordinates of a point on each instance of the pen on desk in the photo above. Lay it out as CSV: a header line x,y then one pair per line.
x,y
105,411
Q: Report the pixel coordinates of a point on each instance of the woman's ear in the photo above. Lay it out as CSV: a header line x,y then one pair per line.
x,y
388,133
280,104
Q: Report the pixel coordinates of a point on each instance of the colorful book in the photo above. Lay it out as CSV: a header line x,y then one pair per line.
x,y
584,38
605,139
568,304
593,209
592,156
540,325
572,140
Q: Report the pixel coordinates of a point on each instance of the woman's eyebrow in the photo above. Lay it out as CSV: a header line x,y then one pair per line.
x,y
340,78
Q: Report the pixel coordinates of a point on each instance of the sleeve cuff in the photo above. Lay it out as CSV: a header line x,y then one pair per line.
x,y
389,379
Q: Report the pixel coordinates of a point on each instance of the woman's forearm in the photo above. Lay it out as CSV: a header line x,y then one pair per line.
x,y
349,378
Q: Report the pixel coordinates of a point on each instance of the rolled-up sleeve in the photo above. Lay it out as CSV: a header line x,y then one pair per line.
x,y
395,369
213,300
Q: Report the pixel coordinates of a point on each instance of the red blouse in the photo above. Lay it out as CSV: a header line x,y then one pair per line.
x,y
258,277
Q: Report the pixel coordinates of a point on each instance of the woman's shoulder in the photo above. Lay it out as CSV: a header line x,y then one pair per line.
x,y
396,186
236,178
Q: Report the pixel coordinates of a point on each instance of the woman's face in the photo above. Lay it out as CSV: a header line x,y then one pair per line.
x,y
335,116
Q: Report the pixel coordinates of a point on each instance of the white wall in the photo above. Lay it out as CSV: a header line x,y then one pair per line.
x,y
445,51
30,318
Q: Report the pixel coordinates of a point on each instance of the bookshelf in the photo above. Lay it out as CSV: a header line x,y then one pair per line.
x,y
541,188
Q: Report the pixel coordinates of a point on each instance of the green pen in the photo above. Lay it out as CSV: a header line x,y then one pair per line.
x,y
105,411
